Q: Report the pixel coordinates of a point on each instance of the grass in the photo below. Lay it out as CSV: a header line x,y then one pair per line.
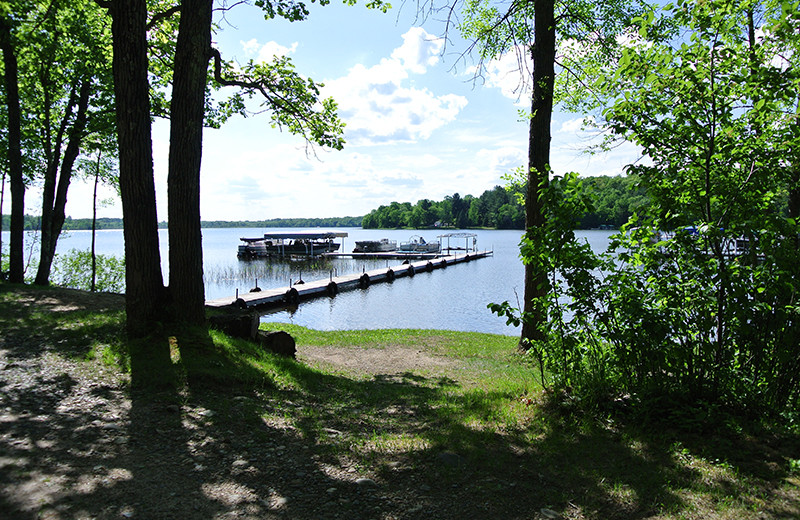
x,y
483,405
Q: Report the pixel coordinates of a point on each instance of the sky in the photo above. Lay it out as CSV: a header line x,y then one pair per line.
x,y
418,124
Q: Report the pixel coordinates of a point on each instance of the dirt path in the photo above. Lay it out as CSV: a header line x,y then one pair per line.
x,y
388,360
75,445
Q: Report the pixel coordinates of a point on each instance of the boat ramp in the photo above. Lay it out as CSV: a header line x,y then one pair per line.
x,y
331,286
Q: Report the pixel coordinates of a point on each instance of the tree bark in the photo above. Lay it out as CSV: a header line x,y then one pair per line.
x,y
543,53
94,221
55,198
17,226
2,200
144,293
192,54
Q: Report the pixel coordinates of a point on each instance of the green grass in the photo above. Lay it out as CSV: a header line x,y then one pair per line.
x,y
484,405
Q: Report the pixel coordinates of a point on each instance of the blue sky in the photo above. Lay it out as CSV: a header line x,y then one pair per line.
x,y
418,126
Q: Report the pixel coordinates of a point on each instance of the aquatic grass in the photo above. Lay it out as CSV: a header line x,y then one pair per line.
x,y
277,272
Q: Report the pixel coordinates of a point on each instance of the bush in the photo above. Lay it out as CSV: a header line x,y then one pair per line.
x,y
74,269
683,314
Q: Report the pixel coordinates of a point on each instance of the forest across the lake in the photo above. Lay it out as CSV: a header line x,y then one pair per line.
x,y
615,198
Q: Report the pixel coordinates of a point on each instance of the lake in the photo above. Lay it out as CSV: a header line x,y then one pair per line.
x,y
452,299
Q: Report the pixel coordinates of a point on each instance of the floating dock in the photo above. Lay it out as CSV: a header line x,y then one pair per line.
x,y
335,284
388,255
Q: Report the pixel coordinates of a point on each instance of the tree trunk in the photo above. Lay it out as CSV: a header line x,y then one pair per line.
x,y
192,53
94,221
17,227
543,53
55,201
2,199
794,180
144,293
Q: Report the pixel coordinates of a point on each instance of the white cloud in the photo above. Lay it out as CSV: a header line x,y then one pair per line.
x,y
262,53
572,125
510,73
500,161
419,50
378,103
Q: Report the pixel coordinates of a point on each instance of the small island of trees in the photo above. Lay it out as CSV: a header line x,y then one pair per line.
x,y
615,199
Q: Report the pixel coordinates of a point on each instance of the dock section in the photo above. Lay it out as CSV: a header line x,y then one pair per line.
x,y
335,284
388,255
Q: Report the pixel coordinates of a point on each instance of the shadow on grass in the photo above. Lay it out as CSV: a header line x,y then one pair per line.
x,y
240,433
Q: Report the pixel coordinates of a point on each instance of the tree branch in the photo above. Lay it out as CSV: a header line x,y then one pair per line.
x,y
162,16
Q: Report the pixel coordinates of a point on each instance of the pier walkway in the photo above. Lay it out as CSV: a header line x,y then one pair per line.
x,y
335,284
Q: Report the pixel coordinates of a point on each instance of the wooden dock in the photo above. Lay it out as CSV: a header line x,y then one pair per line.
x,y
335,284
388,255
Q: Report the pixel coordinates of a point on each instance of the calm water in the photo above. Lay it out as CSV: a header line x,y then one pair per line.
x,y
454,298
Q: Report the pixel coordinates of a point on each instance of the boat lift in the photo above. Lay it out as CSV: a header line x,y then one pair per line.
x,y
469,245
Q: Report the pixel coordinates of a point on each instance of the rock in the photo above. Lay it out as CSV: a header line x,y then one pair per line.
x,y
366,482
278,341
549,514
450,459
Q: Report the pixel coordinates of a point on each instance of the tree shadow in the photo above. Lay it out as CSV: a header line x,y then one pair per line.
x,y
229,438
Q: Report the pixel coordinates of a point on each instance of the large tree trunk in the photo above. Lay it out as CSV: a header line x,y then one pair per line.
x,y
55,198
192,53
144,293
543,53
17,227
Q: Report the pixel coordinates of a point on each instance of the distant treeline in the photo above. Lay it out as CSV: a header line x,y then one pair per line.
x,y
33,223
615,200
287,222
496,208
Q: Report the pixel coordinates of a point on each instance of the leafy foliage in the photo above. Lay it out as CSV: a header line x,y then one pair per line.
x,y
495,208
614,200
292,100
696,300
74,269
569,298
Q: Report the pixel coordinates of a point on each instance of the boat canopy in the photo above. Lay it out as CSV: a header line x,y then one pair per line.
x,y
458,235
466,236
306,235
